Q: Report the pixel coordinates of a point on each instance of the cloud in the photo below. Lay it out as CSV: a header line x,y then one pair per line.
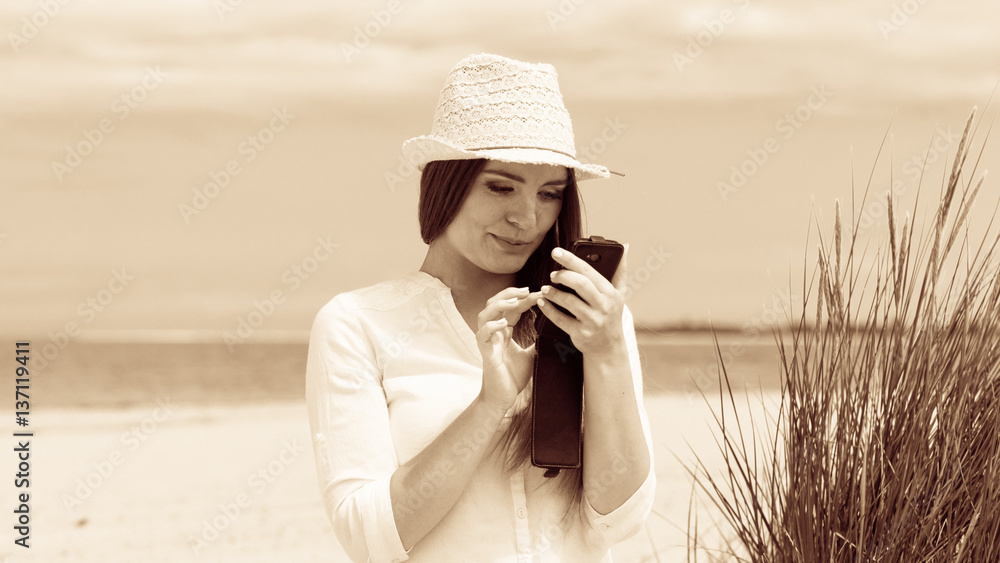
x,y
603,50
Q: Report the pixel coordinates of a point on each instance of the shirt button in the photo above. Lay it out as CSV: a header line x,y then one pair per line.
x,y
603,527
522,513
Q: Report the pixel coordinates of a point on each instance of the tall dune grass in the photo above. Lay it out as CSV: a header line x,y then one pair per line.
x,y
886,447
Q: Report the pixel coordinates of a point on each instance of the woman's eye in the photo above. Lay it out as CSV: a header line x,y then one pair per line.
x,y
552,195
498,189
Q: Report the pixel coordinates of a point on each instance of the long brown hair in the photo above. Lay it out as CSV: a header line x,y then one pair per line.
x,y
444,185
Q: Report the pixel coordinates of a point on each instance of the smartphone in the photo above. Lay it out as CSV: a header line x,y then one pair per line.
x,y
557,385
601,253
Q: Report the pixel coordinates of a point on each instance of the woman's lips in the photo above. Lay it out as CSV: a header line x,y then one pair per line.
x,y
510,243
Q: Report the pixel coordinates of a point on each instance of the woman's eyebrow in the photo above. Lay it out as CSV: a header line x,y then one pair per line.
x,y
517,178
514,177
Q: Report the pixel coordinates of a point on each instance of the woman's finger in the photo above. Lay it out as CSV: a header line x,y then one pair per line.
x,y
512,307
486,332
498,302
574,263
508,293
579,283
521,304
619,280
576,306
560,319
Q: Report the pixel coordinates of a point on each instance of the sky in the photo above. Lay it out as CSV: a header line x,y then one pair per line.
x,y
298,109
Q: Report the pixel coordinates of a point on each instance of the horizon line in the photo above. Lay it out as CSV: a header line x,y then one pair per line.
x,y
294,336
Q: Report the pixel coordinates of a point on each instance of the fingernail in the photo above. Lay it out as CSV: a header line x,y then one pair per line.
x,y
512,300
546,289
541,302
503,320
557,252
522,289
552,274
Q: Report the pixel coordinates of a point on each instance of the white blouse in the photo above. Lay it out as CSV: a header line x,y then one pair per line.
x,y
390,367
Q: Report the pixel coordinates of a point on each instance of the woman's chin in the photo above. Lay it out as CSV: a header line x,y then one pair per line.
x,y
505,266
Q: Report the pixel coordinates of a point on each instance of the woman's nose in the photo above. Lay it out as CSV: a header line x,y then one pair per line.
x,y
521,213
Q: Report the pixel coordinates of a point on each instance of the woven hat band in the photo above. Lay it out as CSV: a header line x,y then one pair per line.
x,y
529,148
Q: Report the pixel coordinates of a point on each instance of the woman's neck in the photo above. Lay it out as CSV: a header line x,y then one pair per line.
x,y
470,285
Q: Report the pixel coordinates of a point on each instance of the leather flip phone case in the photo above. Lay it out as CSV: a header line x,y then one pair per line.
x,y
557,401
557,388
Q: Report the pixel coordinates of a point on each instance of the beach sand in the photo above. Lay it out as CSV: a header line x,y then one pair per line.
x,y
176,482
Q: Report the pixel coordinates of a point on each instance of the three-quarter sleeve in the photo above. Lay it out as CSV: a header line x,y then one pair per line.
x,y
627,519
349,422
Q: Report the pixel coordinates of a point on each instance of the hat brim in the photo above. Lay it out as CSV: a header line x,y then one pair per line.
x,y
421,150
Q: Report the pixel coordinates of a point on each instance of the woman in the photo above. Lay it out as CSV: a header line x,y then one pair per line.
x,y
418,388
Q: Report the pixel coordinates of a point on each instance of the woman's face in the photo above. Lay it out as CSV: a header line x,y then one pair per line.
x,y
506,214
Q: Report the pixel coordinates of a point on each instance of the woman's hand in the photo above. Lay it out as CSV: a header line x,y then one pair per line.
x,y
506,366
597,328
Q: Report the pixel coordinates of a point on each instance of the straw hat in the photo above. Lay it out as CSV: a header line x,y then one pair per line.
x,y
501,109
